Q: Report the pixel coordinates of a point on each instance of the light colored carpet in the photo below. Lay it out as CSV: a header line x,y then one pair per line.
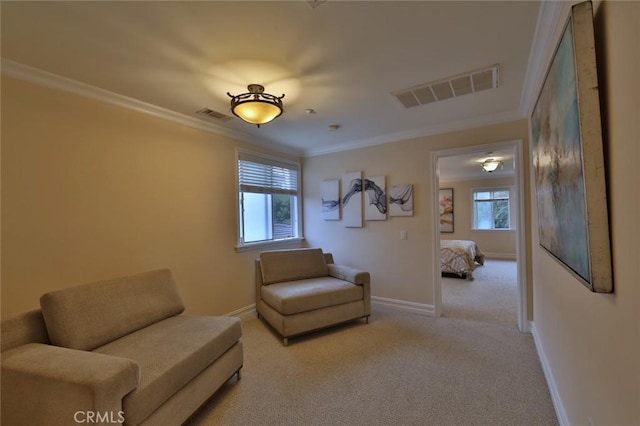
x,y
491,298
469,367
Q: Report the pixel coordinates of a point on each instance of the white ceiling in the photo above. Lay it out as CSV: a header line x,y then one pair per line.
x,y
467,166
341,58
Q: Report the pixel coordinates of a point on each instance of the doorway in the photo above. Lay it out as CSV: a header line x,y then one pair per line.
x,y
516,162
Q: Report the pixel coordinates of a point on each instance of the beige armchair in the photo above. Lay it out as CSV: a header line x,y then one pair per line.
x,y
301,290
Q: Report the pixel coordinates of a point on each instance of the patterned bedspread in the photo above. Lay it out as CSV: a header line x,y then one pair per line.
x,y
460,257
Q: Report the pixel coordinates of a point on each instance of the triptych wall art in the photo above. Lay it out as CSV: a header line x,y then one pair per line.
x,y
352,199
375,199
353,189
331,199
401,200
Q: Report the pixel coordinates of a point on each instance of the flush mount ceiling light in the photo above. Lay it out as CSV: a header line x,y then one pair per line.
x,y
490,165
255,106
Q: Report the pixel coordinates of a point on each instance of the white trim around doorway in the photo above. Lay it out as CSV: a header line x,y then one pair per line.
x,y
521,255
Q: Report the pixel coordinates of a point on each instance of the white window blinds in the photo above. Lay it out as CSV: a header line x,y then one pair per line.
x,y
266,176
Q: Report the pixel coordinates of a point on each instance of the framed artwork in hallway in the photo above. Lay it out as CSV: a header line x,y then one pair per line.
x,y
568,158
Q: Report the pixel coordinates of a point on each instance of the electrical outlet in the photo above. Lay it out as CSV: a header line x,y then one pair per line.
x,y
589,421
403,234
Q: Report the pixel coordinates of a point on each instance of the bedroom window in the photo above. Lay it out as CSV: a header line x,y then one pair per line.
x,y
491,209
268,200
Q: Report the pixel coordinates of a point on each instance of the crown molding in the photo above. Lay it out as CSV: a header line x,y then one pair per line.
x,y
474,122
54,81
44,78
550,16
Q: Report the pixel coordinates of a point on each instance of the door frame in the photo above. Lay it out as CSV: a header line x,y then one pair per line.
x,y
521,253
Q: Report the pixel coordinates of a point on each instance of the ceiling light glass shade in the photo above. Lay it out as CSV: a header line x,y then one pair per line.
x,y
490,165
256,107
257,112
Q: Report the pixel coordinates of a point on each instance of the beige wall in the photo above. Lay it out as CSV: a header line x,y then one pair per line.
x,y
92,191
400,269
592,341
496,244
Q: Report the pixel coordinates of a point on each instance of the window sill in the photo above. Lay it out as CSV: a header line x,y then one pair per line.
x,y
268,244
493,230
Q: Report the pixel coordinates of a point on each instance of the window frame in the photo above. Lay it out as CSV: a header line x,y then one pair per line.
x,y
259,157
510,190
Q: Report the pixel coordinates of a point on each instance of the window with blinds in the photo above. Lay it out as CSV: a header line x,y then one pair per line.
x,y
262,176
268,192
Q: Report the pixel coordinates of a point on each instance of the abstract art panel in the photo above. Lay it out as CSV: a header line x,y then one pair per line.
x,y
401,200
352,199
331,199
568,158
375,198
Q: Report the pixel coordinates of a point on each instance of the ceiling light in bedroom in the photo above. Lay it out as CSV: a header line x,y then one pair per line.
x,y
491,165
255,106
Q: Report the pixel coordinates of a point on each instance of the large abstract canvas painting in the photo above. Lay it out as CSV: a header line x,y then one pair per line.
x,y
352,199
568,158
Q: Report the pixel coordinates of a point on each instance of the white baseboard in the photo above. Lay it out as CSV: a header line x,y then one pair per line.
x,y
551,383
244,313
402,305
500,256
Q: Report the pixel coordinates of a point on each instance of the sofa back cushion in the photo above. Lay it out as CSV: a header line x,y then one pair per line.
x,y
289,265
91,315
27,327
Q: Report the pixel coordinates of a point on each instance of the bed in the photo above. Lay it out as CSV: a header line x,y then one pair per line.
x,y
460,257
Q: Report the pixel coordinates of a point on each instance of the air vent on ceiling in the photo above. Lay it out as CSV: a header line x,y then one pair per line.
x,y
462,84
214,114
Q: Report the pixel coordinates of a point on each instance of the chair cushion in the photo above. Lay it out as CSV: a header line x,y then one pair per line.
x,y
91,315
288,265
293,297
170,353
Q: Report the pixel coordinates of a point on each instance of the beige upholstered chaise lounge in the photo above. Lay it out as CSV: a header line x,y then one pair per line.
x,y
302,290
114,352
